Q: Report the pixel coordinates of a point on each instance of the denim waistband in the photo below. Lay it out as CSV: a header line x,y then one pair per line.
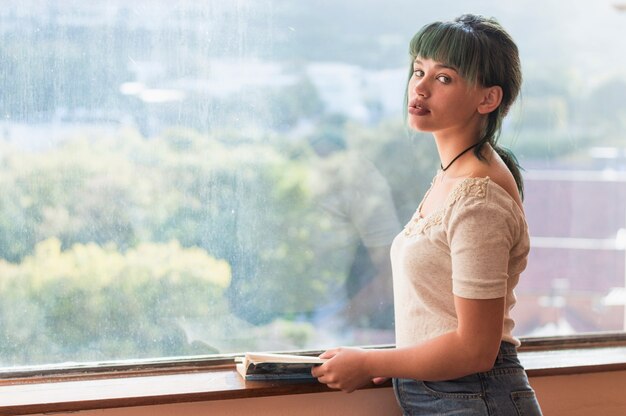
x,y
506,354
506,348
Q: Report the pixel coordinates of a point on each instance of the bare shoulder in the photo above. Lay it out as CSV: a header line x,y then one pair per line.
x,y
506,181
500,174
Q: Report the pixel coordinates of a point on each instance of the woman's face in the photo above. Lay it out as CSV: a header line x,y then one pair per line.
x,y
440,100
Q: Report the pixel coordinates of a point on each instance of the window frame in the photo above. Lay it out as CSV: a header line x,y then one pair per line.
x,y
170,365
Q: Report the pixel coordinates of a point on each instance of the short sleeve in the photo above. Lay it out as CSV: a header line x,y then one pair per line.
x,y
481,235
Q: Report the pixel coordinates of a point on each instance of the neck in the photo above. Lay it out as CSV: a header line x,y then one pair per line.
x,y
451,143
454,155
458,156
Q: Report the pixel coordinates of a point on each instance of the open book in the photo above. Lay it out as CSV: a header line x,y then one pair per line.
x,y
266,366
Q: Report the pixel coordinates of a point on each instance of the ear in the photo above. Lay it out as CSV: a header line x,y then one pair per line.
x,y
492,97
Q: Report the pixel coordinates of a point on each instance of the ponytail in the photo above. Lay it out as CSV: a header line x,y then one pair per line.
x,y
491,135
511,162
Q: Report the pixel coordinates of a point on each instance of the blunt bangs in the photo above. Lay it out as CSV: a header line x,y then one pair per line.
x,y
453,44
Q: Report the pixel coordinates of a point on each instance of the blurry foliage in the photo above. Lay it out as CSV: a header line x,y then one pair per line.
x,y
76,223
102,236
91,303
606,108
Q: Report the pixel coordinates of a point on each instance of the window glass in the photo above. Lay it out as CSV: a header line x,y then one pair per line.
x,y
181,178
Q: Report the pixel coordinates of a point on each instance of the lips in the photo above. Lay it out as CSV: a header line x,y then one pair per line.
x,y
417,108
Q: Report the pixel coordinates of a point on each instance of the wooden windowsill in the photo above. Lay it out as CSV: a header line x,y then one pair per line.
x,y
110,391
66,393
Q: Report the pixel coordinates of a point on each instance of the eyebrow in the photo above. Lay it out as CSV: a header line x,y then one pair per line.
x,y
437,65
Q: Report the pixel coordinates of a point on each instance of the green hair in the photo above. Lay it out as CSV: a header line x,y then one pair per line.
x,y
484,54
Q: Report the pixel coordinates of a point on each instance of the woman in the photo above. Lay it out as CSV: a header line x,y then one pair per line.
x,y
457,261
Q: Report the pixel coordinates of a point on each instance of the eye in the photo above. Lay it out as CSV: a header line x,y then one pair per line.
x,y
444,79
418,73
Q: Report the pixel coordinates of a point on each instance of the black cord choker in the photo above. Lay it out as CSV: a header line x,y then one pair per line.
x,y
458,156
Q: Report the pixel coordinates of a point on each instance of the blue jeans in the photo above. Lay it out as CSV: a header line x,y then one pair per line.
x,y
501,391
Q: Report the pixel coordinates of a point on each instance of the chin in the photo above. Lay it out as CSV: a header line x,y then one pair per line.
x,y
416,125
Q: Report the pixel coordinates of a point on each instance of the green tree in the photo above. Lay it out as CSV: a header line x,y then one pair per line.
x,y
92,303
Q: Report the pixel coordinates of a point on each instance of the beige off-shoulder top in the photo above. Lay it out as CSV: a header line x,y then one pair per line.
x,y
474,247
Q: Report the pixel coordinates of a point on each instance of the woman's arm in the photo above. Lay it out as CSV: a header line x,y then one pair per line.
x,y
471,348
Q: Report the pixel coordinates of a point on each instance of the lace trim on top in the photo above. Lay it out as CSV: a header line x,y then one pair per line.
x,y
476,187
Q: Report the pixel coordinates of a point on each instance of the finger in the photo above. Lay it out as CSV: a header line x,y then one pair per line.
x,y
327,380
317,371
329,353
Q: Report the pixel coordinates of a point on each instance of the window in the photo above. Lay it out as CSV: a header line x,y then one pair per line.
x,y
182,178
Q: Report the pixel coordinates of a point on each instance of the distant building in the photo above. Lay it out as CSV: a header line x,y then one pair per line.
x,y
577,222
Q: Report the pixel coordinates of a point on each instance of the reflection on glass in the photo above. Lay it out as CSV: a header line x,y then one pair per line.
x,y
357,222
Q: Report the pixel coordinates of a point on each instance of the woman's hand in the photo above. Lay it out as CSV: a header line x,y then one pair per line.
x,y
346,369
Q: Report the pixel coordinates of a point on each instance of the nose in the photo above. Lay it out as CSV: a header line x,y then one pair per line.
x,y
420,88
